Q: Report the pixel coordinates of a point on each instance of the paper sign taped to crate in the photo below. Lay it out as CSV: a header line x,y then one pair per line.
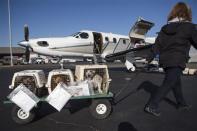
x,y
23,98
82,89
59,97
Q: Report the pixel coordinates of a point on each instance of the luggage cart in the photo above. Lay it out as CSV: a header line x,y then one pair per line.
x,y
101,101
100,107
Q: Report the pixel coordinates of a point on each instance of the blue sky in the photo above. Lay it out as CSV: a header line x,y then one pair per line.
x,y
52,18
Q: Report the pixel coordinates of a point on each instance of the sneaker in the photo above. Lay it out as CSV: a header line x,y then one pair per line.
x,y
152,111
184,107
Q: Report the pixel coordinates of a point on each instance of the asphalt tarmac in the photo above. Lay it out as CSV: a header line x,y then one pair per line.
x,y
127,115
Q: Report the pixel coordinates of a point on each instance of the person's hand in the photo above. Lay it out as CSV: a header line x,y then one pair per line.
x,y
149,60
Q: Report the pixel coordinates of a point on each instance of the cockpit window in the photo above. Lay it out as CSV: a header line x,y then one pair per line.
x,y
42,43
75,34
84,35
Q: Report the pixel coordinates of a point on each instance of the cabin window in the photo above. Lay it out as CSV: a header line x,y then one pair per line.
x,y
84,35
106,39
124,41
114,40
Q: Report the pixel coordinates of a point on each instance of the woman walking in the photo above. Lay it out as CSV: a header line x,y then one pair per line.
x,y
173,44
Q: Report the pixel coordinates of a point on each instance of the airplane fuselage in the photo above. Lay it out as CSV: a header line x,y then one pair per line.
x,y
81,44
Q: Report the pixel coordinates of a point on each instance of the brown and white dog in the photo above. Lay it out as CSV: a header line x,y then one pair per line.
x,y
94,79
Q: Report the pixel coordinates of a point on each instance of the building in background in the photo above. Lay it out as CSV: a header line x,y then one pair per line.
x,y
17,52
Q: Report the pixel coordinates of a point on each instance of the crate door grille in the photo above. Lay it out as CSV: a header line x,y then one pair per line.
x,y
28,81
56,79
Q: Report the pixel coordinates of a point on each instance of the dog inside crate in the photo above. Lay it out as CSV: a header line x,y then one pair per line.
x,y
96,79
56,79
28,81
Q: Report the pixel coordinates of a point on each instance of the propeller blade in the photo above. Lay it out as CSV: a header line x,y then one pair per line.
x,y
26,32
27,54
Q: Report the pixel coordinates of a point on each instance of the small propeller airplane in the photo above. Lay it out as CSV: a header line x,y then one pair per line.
x,y
86,43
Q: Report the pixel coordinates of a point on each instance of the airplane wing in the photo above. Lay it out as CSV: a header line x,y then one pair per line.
x,y
140,52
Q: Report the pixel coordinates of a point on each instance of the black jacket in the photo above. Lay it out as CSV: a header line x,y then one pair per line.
x,y
173,44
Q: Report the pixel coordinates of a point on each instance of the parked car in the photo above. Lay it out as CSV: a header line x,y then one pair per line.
x,y
6,60
54,60
39,60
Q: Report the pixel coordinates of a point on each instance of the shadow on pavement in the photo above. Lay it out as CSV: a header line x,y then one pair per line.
x,y
151,88
73,106
77,105
44,110
126,126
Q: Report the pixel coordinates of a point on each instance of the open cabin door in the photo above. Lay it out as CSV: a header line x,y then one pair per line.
x,y
98,43
139,30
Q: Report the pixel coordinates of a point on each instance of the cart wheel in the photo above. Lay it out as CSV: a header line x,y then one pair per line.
x,y
100,109
22,117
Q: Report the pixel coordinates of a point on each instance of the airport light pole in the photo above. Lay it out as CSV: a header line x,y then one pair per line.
x,y
10,34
